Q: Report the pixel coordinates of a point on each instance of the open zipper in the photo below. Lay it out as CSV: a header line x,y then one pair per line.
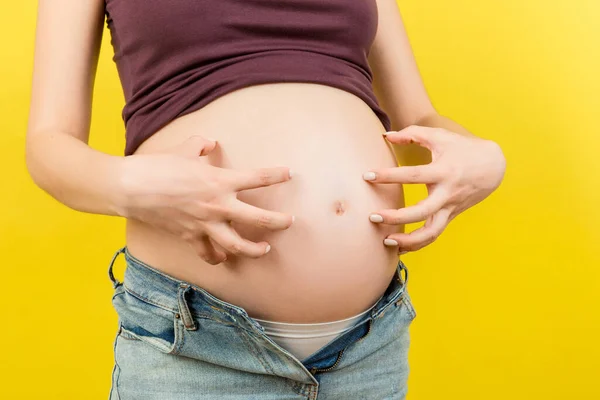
x,y
337,361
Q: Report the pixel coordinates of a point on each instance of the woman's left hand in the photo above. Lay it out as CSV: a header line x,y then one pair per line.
x,y
464,170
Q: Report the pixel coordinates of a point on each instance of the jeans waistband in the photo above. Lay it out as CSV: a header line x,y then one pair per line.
x,y
162,290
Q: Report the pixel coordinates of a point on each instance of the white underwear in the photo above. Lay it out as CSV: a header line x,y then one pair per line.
x,y
302,340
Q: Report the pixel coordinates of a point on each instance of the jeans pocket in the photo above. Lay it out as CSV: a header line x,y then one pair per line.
x,y
150,323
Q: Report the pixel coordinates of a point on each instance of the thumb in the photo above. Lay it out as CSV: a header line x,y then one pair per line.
x,y
195,146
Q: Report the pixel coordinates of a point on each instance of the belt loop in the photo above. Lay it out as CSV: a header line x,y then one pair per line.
x,y
114,280
184,310
402,266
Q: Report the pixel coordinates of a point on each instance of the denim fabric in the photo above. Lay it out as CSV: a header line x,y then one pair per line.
x,y
176,341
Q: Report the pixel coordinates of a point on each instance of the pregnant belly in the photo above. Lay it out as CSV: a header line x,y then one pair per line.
x,y
331,263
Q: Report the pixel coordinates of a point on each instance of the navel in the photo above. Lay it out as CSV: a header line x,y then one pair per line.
x,y
339,207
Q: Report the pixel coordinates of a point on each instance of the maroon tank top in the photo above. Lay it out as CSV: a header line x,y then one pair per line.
x,y
176,56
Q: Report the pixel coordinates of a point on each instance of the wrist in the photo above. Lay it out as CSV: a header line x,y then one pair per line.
x,y
122,193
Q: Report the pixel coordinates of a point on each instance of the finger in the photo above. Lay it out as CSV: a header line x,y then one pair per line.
x,y
427,174
248,214
195,146
205,249
212,254
418,212
423,236
232,242
242,180
423,135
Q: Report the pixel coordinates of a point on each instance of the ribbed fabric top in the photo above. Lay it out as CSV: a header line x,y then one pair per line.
x,y
174,57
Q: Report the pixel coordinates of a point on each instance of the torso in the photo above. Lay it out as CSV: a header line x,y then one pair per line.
x,y
331,263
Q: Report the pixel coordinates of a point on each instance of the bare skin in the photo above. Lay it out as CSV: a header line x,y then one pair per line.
x,y
220,214
330,262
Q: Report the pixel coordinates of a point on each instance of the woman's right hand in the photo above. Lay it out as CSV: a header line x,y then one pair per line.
x,y
179,192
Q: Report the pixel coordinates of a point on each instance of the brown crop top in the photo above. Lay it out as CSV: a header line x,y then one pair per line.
x,y
176,56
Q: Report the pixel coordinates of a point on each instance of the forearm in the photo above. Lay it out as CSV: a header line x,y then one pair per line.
x,y
76,175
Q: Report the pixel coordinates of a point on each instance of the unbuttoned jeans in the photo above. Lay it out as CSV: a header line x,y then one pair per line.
x,y
176,341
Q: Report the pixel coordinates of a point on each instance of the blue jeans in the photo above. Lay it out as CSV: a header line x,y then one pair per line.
x,y
176,341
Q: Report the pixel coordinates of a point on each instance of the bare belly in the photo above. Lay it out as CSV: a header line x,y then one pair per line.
x,y
331,263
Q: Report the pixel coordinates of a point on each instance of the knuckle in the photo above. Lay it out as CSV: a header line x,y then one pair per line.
x,y
432,236
214,209
453,172
221,210
396,220
264,221
213,184
414,175
264,176
412,245
188,235
235,248
438,174
422,214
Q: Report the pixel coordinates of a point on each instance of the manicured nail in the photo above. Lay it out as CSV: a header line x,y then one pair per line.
x,y
390,242
268,248
376,218
293,218
291,173
369,176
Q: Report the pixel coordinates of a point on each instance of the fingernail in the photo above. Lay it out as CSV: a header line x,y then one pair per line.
x,y
369,176
211,139
390,242
268,248
291,173
403,252
376,218
293,218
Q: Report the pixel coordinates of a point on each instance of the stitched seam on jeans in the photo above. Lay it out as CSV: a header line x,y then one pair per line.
x,y
257,353
390,302
166,308
179,336
409,307
145,300
117,367
127,335
208,317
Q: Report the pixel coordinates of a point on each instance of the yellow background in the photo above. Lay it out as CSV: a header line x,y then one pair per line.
x,y
507,298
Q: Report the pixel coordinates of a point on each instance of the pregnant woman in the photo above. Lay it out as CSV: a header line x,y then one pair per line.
x,y
259,181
